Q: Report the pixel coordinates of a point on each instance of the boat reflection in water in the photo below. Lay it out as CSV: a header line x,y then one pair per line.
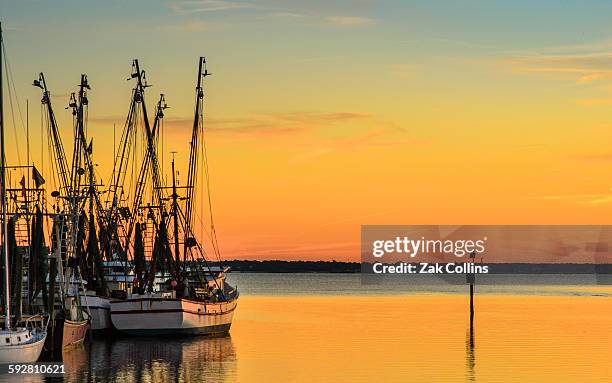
x,y
194,359
75,360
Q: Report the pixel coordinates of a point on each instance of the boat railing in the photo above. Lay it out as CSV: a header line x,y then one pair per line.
x,y
231,294
36,322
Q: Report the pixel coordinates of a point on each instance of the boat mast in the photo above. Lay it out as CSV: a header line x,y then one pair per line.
x,y
149,165
175,208
7,284
196,135
58,148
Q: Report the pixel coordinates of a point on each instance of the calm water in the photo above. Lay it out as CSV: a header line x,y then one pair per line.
x,y
331,328
354,284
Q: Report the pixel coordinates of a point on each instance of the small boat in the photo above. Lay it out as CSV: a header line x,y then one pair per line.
x,y
71,323
23,344
17,344
20,345
67,329
71,332
163,313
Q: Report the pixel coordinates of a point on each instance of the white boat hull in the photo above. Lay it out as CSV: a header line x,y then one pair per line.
x,y
99,308
150,315
22,353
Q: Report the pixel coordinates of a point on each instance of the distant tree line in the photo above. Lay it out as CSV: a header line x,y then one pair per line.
x,y
281,266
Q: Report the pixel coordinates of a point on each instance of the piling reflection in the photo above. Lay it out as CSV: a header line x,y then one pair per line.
x,y
198,359
470,356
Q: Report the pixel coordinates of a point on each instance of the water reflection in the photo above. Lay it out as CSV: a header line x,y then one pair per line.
x,y
470,356
76,361
199,359
420,338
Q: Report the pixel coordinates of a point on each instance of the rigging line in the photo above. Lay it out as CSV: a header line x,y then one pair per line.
x,y
201,175
198,267
42,143
214,239
202,224
212,223
119,155
162,145
137,153
28,136
199,217
114,148
181,216
213,234
10,94
11,79
124,157
52,164
201,200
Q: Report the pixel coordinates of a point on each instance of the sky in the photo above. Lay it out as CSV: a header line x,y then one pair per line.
x,y
325,116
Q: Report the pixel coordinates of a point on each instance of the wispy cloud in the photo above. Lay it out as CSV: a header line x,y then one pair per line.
x,y
584,68
60,95
594,102
320,59
600,201
358,219
294,13
560,197
349,21
579,48
601,157
403,70
199,6
582,63
582,199
316,133
342,250
106,119
193,25
279,123
309,156
286,15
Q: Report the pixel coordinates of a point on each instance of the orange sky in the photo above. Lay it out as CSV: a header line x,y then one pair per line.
x,y
321,119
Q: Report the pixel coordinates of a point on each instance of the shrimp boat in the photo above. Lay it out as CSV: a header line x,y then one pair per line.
x,y
17,344
72,226
175,289
69,314
68,306
166,313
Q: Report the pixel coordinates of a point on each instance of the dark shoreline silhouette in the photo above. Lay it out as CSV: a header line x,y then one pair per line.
x,y
281,266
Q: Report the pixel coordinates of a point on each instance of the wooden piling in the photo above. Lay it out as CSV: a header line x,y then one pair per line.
x,y
471,304
471,279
